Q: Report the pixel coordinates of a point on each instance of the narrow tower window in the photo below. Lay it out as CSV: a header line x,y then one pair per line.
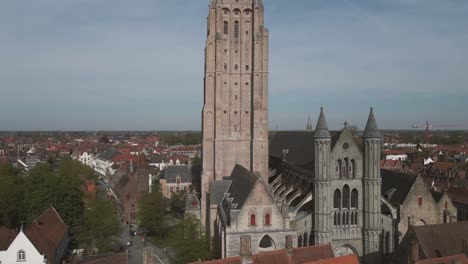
x,y
252,219
236,29
226,27
267,219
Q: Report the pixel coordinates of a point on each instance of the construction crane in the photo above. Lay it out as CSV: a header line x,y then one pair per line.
x,y
428,126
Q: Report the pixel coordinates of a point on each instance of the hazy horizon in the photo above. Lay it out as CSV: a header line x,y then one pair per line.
x,y
80,65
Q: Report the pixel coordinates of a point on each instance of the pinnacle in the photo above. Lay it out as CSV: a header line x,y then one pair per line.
x,y
371,131
321,130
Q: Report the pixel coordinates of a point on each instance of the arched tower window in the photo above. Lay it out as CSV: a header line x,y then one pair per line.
x,y
236,29
226,27
345,196
21,255
252,219
343,169
267,219
346,168
353,169
305,239
354,198
337,199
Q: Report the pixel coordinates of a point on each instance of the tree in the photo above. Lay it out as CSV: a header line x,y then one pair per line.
x,y
191,243
151,212
44,187
100,227
178,203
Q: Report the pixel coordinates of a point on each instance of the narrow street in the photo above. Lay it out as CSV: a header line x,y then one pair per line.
x,y
138,253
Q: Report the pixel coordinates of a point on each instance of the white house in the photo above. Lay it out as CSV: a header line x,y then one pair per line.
x,y
21,250
87,159
401,157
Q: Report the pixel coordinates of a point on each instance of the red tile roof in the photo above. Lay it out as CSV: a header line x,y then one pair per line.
x,y
6,237
272,257
233,260
47,232
349,259
312,253
462,259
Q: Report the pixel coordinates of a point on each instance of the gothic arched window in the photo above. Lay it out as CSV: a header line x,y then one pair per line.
x,y
236,29
252,219
338,168
226,27
299,241
346,168
345,196
354,198
353,169
305,239
337,199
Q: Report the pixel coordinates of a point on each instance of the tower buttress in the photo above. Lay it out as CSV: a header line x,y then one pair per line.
x,y
322,184
372,188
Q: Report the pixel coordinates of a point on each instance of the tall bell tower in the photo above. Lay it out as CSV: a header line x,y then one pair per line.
x,y
235,111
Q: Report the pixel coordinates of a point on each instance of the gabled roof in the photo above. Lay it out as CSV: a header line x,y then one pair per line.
x,y
242,184
399,181
46,232
217,190
183,171
6,237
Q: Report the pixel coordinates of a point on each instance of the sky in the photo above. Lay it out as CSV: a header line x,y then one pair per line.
x,y
138,65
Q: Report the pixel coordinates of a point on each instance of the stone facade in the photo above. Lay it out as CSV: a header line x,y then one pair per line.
x,y
235,111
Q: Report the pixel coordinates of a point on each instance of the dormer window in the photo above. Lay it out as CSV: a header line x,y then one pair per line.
x,y
21,255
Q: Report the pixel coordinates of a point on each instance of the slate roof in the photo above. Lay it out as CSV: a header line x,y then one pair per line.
x,y
441,240
242,183
371,131
109,154
399,181
6,237
300,146
321,130
460,258
171,173
217,190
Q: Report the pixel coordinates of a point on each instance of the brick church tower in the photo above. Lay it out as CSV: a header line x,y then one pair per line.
x,y
235,111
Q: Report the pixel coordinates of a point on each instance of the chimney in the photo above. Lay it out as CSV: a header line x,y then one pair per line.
x,y
465,246
289,244
414,252
246,249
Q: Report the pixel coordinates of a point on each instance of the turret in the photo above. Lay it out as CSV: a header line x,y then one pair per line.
x,y
322,184
372,189
309,125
